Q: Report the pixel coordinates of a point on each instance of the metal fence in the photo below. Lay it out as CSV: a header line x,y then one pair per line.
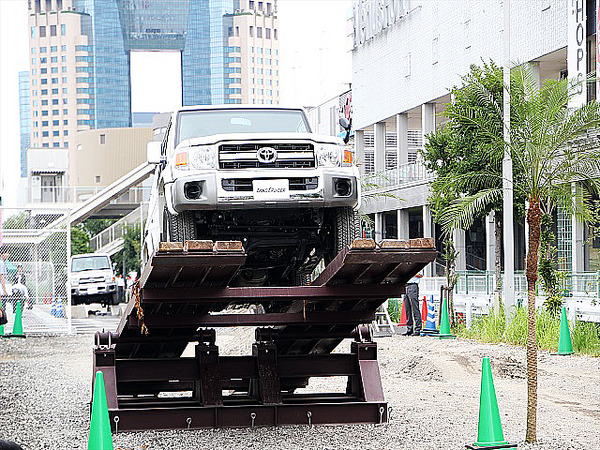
x,y
36,244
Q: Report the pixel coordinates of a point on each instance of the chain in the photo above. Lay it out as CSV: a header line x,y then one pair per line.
x,y
135,291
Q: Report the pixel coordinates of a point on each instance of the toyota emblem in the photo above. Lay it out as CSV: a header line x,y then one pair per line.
x,y
266,155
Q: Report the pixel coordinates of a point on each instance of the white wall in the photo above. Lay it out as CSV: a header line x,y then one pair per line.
x,y
466,32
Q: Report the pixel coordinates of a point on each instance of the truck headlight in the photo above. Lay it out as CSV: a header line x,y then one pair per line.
x,y
329,155
109,279
204,158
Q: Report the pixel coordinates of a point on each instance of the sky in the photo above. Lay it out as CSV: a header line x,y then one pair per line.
x,y
315,65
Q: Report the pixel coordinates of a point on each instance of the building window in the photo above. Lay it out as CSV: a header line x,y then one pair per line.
x,y
251,29
33,50
53,48
42,31
54,91
64,101
63,48
44,102
65,111
55,102
33,82
64,79
230,31
43,70
63,58
33,61
45,145
259,49
54,70
65,122
56,144
56,133
258,32
251,4
54,59
66,133
268,51
63,69
98,178
44,123
43,60
44,134
43,49
44,80
44,92
52,30
103,139
268,8
275,37
267,33
63,29
64,91
55,123
237,31
36,124
55,112
32,32
66,144
259,60
260,6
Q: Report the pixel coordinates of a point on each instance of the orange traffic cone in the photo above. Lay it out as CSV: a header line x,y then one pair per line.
x,y
424,311
403,314
45,298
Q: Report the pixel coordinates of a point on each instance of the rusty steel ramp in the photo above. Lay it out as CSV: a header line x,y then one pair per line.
x,y
184,295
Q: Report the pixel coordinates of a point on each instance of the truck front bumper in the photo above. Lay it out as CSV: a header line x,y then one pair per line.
x,y
235,189
93,289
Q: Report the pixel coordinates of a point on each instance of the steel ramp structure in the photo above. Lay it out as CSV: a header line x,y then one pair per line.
x,y
184,295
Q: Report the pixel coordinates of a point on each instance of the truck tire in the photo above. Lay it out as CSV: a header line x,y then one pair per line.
x,y
180,228
347,228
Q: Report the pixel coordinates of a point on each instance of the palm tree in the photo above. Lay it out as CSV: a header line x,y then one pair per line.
x,y
542,133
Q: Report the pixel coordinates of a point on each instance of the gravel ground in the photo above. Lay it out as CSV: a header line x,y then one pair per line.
x,y
432,386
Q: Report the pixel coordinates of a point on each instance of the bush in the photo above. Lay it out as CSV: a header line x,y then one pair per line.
x,y
492,328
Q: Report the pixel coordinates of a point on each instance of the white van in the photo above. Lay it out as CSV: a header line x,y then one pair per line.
x,y
92,279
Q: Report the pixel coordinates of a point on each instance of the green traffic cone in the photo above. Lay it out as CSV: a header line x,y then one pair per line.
x,y
445,323
565,346
1,330
17,330
489,430
100,433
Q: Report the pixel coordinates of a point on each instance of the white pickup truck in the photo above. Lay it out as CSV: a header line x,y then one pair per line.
x,y
256,174
92,279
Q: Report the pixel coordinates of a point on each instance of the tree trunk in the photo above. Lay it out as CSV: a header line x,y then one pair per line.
x,y
497,261
534,220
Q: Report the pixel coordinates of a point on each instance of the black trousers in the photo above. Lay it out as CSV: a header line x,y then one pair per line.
x,y
413,313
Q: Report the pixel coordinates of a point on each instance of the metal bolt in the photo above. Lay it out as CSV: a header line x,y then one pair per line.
x,y
309,415
381,411
189,422
116,421
252,416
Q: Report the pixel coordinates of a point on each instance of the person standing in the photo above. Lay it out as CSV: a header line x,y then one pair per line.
x,y
413,313
3,276
19,285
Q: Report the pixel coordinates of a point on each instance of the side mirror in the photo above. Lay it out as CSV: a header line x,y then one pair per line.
x,y
344,123
153,152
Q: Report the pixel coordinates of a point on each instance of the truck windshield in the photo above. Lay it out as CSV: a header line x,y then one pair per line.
x,y
194,124
90,263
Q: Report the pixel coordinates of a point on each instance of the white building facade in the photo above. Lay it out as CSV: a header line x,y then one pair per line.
x,y
406,55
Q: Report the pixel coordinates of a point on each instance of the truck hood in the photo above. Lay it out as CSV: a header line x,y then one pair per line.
x,y
261,137
91,274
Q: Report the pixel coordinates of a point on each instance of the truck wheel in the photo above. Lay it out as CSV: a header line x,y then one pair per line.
x,y
180,228
347,228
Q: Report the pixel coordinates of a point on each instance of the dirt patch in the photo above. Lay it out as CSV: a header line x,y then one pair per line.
x,y
509,367
422,369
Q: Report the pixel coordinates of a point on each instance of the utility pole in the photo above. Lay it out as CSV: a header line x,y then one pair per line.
x,y
508,285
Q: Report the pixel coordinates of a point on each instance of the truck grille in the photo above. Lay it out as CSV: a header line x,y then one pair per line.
x,y
244,156
91,280
245,184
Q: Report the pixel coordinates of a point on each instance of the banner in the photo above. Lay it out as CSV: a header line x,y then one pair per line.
x,y
576,50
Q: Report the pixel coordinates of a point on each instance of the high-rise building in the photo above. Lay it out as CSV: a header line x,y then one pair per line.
x,y
80,58
24,121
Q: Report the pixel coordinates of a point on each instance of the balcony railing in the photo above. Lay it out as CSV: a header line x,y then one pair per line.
x,y
117,229
394,178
